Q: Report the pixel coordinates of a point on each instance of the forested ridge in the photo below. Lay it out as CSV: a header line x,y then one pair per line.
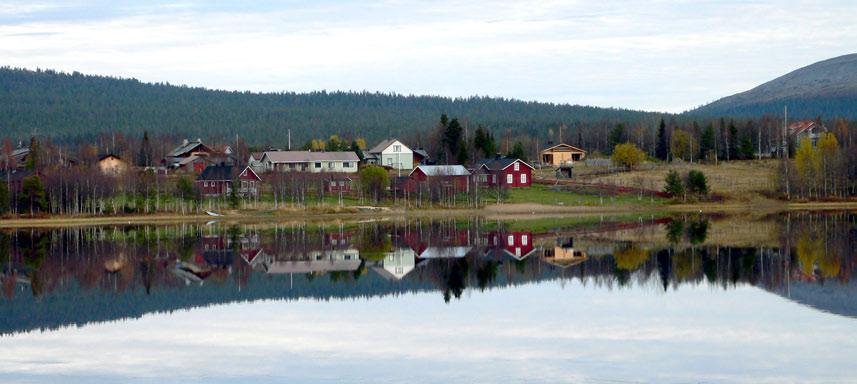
x,y
75,106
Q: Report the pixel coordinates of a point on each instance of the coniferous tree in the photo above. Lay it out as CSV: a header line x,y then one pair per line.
x,y
144,158
452,136
733,141
706,142
517,152
662,149
617,136
673,184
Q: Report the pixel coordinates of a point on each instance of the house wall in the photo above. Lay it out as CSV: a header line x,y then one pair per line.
x,y
314,167
502,177
418,179
558,158
214,187
404,159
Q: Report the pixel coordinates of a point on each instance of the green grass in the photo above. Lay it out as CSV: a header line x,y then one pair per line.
x,y
543,194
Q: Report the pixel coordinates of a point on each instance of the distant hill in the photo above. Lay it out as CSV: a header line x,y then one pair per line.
x,y
827,88
73,106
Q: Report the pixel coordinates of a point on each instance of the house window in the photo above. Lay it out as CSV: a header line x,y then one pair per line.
x,y
524,239
390,161
205,184
292,165
318,164
397,148
330,165
523,178
346,165
509,179
517,166
511,240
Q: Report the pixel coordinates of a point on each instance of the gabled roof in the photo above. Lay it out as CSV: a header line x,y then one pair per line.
x,y
216,173
256,155
421,152
108,155
799,127
442,170
383,145
565,146
307,156
187,148
256,175
20,152
501,163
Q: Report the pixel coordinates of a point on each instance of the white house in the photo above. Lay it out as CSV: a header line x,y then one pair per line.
x,y
397,264
392,153
306,161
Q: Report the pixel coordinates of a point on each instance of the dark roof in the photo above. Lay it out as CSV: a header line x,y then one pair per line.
x,y
187,147
497,164
102,157
216,172
421,152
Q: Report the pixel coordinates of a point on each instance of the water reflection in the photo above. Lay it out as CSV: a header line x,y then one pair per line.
x,y
52,278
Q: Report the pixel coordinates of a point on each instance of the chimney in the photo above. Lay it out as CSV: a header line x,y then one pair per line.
x,y
184,142
498,156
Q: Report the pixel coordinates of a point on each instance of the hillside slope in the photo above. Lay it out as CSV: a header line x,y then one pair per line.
x,y
827,88
70,106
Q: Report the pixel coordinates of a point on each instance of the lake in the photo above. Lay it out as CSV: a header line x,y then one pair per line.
x,y
593,299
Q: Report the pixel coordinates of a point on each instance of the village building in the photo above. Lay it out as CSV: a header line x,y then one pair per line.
x,y
306,161
805,129
19,156
562,154
391,153
421,157
112,165
505,172
250,182
187,157
255,162
337,184
215,180
451,178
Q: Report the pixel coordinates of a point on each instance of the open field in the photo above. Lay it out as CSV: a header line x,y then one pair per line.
x,y
734,180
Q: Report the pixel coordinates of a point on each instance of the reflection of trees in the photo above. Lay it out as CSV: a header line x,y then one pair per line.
x,y
697,231
486,273
675,229
630,258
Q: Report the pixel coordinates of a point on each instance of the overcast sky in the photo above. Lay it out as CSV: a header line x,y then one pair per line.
x,y
663,56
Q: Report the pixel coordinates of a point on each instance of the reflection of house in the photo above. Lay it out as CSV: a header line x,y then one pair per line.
x,y
444,252
563,254
450,243
112,165
306,161
505,172
397,264
318,262
517,245
562,154
391,153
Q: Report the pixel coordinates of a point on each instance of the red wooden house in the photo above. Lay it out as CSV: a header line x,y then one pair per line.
x,y
215,180
250,182
505,172
337,184
454,178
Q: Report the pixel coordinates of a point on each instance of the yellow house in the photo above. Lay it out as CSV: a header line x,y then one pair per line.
x,y
562,154
112,165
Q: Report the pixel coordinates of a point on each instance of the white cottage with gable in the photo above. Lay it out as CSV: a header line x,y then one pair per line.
x,y
392,153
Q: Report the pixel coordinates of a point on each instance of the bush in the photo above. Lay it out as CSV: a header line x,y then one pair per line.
x,y
697,183
627,155
374,180
674,186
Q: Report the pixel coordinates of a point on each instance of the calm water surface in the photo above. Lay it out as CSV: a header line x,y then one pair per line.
x,y
594,300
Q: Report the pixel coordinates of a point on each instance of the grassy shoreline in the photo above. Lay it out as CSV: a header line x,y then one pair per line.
x,y
507,211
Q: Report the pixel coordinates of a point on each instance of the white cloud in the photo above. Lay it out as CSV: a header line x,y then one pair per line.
x,y
659,56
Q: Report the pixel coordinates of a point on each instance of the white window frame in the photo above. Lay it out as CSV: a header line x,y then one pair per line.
x,y
517,166
509,179
523,178
524,240
511,240
397,148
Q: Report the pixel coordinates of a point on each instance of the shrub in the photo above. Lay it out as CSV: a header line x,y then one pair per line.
x,y
697,183
674,185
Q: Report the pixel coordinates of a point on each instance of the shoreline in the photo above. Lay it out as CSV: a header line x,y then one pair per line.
x,y
498,212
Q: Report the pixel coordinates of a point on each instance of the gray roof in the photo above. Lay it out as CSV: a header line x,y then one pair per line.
x,y
501,163
442,170
382,146
307,156
216,172
184,148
